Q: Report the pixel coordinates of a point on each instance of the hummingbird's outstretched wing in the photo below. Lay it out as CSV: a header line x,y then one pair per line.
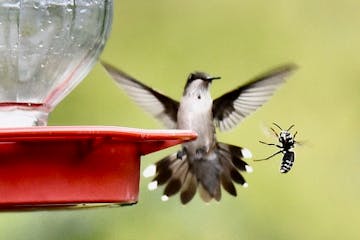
x,y
162,107
232,107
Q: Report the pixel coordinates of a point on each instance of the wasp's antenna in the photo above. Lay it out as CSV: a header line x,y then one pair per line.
x,y
290,127
277,126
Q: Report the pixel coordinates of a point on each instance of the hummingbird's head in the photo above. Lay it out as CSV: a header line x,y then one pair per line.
x,y
198,80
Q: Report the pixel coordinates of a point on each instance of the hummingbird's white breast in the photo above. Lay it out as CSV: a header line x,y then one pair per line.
x,y
195,113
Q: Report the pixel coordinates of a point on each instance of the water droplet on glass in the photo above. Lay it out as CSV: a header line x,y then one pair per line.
x,y
36,5
69,8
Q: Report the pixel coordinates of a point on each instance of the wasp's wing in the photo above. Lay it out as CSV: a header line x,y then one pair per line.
x,y
302,143
162,107
232,107
268,131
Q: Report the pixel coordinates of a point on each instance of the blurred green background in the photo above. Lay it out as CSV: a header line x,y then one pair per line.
x,y
160,42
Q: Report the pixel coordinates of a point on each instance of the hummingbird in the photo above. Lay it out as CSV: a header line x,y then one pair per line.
x,y
203,164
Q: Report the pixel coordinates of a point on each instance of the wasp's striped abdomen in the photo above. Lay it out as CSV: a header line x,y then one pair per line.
x,y
287,161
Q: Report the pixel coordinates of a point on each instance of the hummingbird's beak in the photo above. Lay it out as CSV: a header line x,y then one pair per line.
x,y
213,78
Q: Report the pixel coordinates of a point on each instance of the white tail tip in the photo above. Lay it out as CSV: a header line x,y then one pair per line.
x,y
153,185
245,185
249,169
149,171
164,198
246,153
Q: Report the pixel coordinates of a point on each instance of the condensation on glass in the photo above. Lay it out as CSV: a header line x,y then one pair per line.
x,y
46,48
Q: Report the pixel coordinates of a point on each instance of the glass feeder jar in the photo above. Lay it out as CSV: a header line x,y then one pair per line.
x,y
46,48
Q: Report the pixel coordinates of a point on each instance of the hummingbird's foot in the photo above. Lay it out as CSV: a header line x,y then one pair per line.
x,y
180,154
200,153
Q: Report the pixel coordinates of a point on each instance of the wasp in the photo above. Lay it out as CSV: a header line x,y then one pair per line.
x,y
287,144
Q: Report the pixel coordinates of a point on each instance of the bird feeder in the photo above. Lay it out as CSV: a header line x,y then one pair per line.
x,y
47,47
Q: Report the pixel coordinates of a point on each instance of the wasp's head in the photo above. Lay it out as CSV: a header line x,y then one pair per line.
x,y
285,136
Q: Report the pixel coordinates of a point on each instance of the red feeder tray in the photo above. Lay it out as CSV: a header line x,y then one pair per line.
x,y
50,167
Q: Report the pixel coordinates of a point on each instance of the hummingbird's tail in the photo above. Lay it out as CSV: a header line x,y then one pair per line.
x,y
184,176
174,171
231,159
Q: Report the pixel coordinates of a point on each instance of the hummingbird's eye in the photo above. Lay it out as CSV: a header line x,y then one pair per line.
x,y
199,97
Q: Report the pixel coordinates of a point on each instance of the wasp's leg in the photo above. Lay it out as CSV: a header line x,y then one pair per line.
x,y
269,156
277,135
270,144
295,134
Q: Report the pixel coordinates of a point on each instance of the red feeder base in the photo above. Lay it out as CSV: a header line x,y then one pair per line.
x,y
50,167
